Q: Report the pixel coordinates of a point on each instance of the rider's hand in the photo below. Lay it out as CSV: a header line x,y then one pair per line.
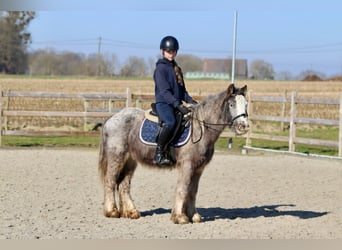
x,y
184,110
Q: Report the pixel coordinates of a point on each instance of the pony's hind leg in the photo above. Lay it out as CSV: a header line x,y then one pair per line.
x,y
127,208
109,207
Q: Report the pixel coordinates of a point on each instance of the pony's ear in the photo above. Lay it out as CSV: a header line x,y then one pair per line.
x,y
244,90
230,89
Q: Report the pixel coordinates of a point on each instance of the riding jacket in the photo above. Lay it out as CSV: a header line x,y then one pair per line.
x,y
167,89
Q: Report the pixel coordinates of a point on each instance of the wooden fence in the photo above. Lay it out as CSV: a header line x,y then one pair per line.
x,y
292,119
90,114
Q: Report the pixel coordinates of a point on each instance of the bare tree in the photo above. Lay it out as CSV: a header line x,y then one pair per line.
x,y
151,62
110,62
190,63
311,74
135,66
284,75
50,62
43,62
262,70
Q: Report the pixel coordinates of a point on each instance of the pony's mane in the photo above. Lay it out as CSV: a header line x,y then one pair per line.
x,y
213,98
211,105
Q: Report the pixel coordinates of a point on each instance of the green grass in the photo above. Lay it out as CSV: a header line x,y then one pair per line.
x,y
300,148
325,133
52,141
318,132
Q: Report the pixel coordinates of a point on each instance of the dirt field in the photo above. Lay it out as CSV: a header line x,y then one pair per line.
x,y
56,194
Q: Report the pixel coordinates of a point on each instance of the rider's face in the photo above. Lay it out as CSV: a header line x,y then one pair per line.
x,y
169,54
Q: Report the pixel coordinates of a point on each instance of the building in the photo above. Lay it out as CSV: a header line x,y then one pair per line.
x,y
220,69
211,65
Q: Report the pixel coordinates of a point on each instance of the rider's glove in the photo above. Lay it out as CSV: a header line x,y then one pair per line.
x,y
184,110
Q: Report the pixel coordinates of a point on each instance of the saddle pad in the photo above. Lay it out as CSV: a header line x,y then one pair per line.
x,y
149,130
150,117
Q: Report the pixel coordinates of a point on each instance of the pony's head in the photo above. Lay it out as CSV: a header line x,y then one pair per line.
x,y
237,106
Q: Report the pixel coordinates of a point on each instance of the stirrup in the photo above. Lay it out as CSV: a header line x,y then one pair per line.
x,y
164,162
161,159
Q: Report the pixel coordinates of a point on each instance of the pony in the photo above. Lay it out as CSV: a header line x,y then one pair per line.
x,y
121,150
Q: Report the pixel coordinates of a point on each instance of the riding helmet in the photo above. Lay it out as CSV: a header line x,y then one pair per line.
x,y
169,43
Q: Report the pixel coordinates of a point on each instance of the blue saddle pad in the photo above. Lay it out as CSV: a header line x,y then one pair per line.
x,y
149,130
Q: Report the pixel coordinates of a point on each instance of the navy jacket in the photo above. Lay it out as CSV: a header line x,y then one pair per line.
x,y
167,89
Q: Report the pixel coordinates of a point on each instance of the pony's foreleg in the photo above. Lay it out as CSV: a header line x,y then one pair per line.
x,y
127,208
191,201
179,211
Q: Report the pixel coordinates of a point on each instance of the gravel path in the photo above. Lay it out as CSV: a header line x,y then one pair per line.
x,y
56,194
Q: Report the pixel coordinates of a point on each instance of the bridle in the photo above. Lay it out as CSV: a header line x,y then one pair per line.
x,y
238,116
211,126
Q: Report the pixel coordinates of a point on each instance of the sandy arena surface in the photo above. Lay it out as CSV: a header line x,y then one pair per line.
x,y
56,194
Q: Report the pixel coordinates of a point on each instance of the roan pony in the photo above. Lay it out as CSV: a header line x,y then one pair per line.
x,y
121,150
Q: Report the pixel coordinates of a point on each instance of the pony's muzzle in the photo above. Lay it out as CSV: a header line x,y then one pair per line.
x,y
241,127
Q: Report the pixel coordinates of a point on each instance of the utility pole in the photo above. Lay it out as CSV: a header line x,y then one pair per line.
x,y
230,140
99,58
234,47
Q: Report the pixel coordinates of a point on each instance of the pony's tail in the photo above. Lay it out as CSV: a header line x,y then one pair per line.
x,y
102,167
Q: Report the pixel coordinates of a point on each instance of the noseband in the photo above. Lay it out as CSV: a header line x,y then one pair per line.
x,y
238,116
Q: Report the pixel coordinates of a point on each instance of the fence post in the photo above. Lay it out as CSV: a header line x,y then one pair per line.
x,y
129,98
249,111
340,130
0,117
292,133
85,105
110,105
283,111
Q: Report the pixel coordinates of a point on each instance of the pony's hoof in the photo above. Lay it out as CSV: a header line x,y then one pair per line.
x,y
180,219
112,214
196,218
132,214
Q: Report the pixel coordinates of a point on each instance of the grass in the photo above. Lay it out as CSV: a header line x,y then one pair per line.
x,y
221,144
50,141
323,133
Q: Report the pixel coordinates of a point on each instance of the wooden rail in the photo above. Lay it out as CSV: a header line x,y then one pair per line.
x,y
88,114
293,120
99,114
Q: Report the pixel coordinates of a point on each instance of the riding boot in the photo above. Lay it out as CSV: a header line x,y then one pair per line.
x,y
161,156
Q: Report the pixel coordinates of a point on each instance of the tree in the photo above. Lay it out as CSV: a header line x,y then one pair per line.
x,y
109,64
13,41
43,62
189,63
50,62
261,70
135,66
284,75
311,74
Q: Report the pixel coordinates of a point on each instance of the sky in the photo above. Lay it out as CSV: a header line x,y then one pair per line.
x,y
292,35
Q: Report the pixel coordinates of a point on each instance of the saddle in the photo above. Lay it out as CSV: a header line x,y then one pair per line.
x,y
151,125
